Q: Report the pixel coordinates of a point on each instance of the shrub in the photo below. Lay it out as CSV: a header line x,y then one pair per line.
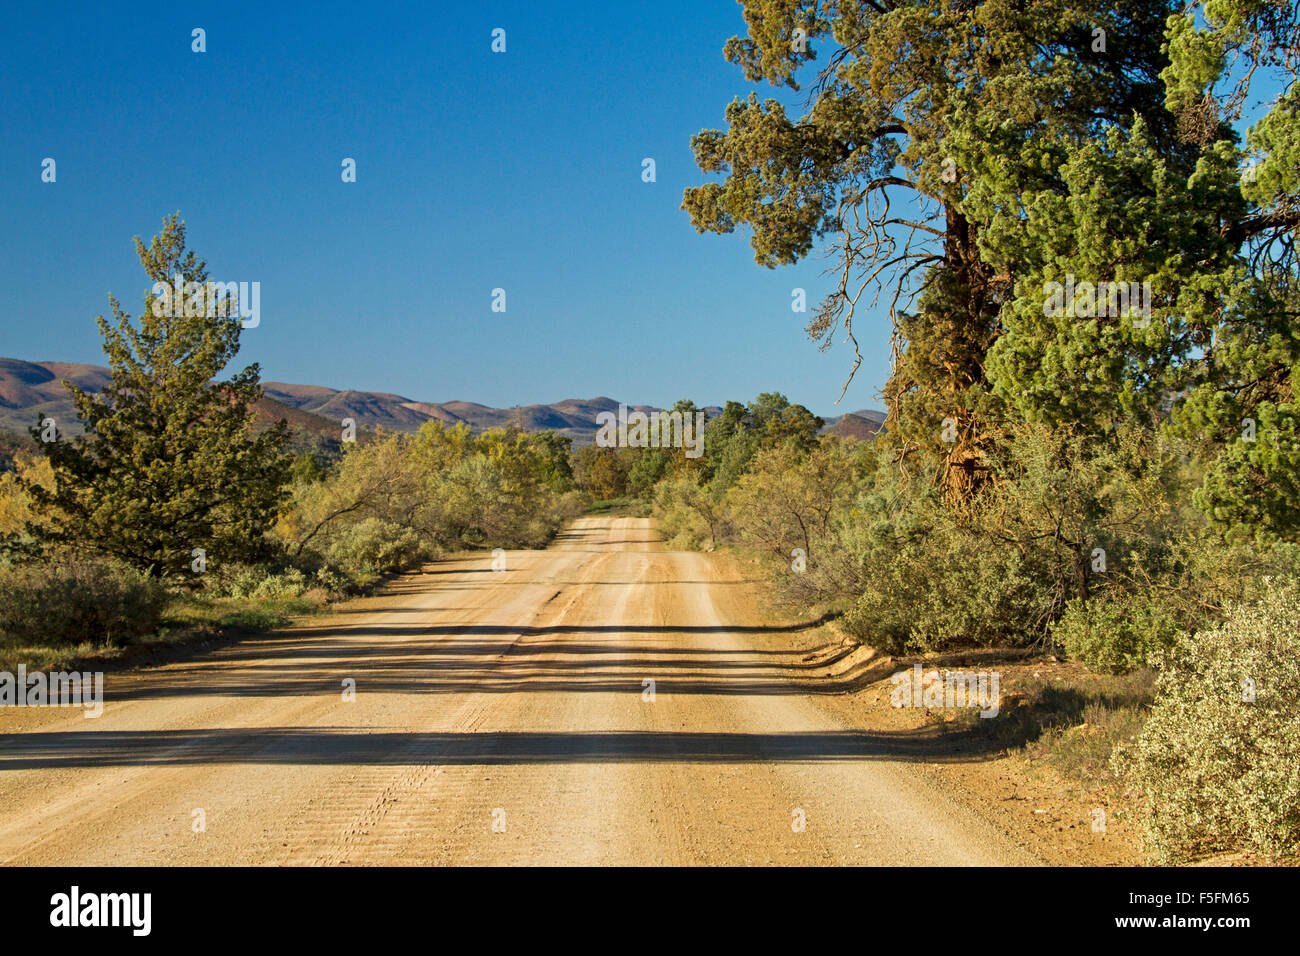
x,y
375,545
71,600
690,516
239,581
942,586
1218,769
1115,634
334,581
245,581
797,497
288,584
276,582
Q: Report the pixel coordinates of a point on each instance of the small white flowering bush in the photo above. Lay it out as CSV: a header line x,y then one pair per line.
x,y
1219,758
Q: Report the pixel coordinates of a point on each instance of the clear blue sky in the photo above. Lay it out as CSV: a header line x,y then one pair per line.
x,y
475,170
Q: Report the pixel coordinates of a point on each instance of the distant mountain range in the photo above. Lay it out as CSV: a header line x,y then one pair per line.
x,y
32,389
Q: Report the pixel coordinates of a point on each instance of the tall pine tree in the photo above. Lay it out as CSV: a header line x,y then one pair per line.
x,y
168,463
918,102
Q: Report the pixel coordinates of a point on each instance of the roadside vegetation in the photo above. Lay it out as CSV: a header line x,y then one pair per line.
x,y
1110,481
1087,249
1093,554
177,516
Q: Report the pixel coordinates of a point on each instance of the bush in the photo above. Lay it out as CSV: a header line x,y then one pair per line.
x,y
1003,567
375,545
70,600
690,517
223,578
276,582
942,586
553,512
334,581
1220,770
287,584
255,581
796,497
1116,633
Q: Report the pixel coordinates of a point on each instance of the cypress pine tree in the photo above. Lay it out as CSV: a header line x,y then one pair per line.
x,y
168,463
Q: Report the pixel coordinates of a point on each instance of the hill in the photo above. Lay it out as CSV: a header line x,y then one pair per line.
x,y
32,390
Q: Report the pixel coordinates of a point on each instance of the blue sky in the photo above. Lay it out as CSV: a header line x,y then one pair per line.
x,y
475,171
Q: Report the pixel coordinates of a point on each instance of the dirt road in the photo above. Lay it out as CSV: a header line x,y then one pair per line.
x,y
499,718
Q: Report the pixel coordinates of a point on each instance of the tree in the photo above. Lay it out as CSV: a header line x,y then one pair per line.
x,y
790,498
1205,229
779,422
918,104
556,457
374,480
742,431
600,472
168,463
1242,390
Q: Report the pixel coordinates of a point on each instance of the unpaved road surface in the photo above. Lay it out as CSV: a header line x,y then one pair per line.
x,y
500,717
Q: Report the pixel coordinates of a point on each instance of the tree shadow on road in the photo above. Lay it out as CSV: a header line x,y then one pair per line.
x,y
364,746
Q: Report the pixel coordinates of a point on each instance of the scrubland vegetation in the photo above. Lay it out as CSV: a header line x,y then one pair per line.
x,y
1102,546
392,503
1091,550
1112,477
1061,476
173,512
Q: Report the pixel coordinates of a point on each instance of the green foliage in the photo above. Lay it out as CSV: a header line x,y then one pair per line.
x,y
376,479
1216,244
500,494
375,545
71,600
603,473
1054,141
791,506
1219,770
646,467
690,516
741,432
397,500
280,580
255,582
168,463
445,486
1115,635
1252,486
1066,517
333,581
1124,203
1011,90
553,459
307,469
690,497
938,585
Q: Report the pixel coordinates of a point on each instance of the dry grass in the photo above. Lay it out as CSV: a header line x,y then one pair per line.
x,y
1059,713
188,619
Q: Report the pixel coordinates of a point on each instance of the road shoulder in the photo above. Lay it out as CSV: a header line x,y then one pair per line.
x,y
1055,819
